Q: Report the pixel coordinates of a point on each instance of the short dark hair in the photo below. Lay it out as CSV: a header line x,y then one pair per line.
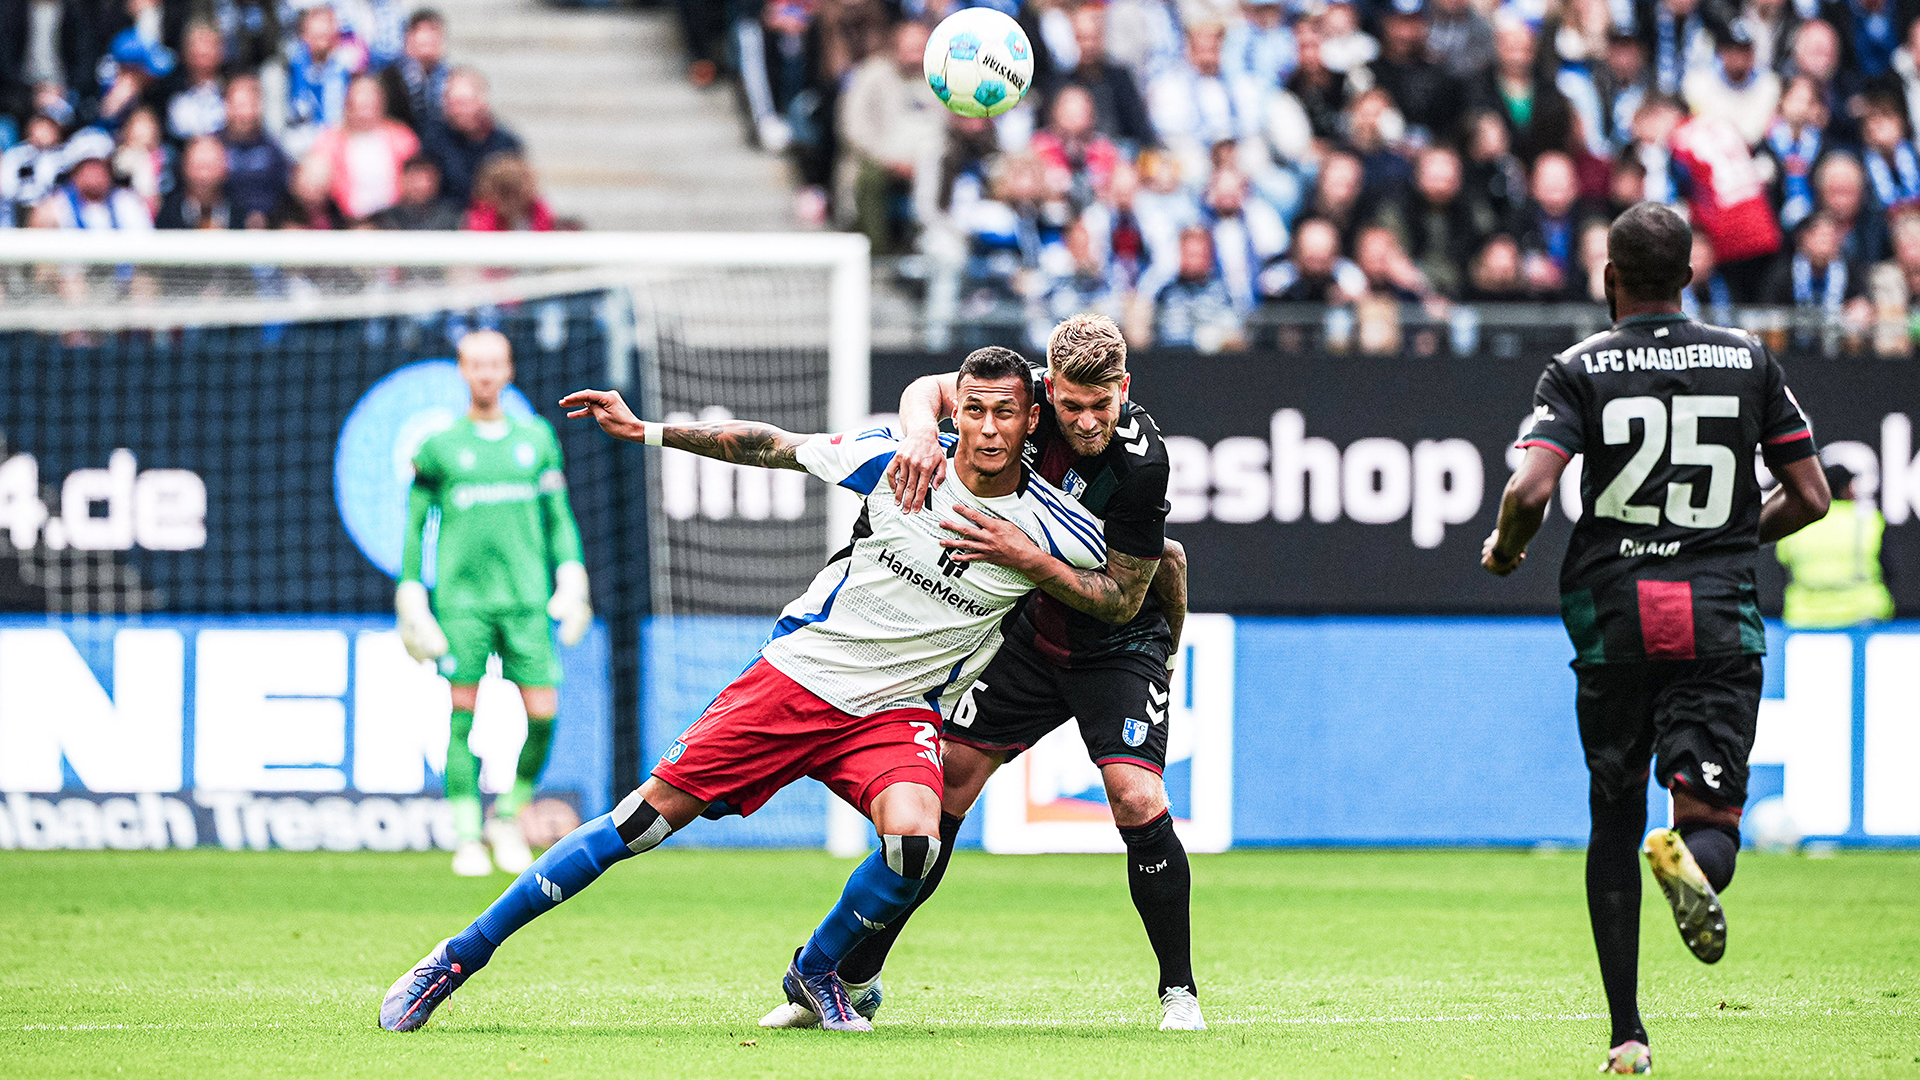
x,y
419,161
993,363
425,15
1651,249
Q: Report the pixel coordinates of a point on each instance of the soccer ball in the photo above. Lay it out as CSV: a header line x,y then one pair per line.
x,y
979,62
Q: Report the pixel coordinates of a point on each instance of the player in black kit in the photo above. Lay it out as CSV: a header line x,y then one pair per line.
x,y
1657,590
1111,671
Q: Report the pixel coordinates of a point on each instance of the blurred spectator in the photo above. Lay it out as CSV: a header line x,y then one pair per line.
x,y
1435,224
1495,178
1795,140
30,169
1537,115
318,70
1115,230
1840,189
1195,308
1244,230
90,199
1461,37
1258,53
506,198
1735,88
131,75
1012,230
1080,157
1819,275
200,200
1165,207
1893,169
374,27
1344,46
1191,104
1374,130
1423,92
1906,258
1773,23
1869,32
892,129
420,205
1591,278
249,32
467,134
1142,35
1726,197
1321,92
141,158
365,152
1621,85
1337,197
1314,272
308,200
1494,276
1816,55
1547,228
1090,284
257,169
1678,39
1626,184
1906,74
196,104
417,81
1707,293
1118,108
1389,274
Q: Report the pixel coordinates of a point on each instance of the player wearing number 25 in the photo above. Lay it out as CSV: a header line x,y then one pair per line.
x,y
1657,589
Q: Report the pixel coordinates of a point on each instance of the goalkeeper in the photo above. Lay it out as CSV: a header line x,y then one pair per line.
x,y
506,533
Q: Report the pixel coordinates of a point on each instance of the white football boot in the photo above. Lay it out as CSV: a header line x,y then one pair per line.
x,y
472,860
510,852
1180,1011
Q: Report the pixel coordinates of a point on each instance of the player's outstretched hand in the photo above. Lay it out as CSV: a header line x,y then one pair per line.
x,y
917,468
1490,557
609,410
985,538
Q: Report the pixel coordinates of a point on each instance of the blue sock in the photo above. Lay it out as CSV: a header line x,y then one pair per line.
x,y
564,869
874,897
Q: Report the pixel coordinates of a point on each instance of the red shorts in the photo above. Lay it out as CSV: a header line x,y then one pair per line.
x,y
765,731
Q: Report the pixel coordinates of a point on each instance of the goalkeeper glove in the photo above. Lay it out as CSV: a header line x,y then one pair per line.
x,y
569,606
418,630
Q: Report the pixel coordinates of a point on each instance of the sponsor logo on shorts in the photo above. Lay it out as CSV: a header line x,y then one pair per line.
x,y
673,752
1134,732
1633,549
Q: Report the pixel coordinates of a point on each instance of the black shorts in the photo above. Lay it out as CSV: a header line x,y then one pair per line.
x,y
1692,720
1122,711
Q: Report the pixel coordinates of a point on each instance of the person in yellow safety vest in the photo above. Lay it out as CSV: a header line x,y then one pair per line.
x,y
1837,579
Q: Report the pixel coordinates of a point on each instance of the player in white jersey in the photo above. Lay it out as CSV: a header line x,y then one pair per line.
x,y
849,689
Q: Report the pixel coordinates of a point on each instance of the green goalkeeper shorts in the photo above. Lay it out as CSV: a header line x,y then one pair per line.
x,y
523,640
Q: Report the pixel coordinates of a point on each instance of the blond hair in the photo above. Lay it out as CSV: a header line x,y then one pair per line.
x,y
1087,350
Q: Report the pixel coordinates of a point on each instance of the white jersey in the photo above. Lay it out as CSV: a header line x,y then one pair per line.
x,y
892,622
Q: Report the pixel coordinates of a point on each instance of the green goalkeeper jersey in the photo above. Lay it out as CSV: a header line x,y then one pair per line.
x,y
504,519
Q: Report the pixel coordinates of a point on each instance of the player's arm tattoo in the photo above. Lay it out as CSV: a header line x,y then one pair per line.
x,y
1170,587
743,442
1112,594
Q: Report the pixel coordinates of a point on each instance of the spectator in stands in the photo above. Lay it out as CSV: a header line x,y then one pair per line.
x,y
1537,115
308,202
1423,91
1244,230
365,152
1344,45
1773,23
1906,258
1622,86
467,134
1321,91
1893,169
1164,207
420,205
1191,104
1090,284
30,169
131,76
375,27
893,128
1258,53
1626,184
1314,272
1708,292
1816,55
257,169
249,32
1905,76
417,81
1591,281
1338,196
1495,178
196,104
1678,38
89,199
1869,32
318,70
1819,275
1725,193
1196,309
1435,224
141,158
1143,35
1494,277
1374,128
506,198
1071,146
200,200
1461,37
1547,228
1390,275
1794,142
1840,189
1118,108
1735,88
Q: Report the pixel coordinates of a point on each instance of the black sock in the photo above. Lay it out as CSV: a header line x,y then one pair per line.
x,y
868,957
1613,906
1162,885
1715,848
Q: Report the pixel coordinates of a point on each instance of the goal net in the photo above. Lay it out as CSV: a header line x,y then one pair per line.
x,y
220,424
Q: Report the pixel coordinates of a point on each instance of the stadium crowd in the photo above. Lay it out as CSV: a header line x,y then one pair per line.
x,y
232,114
1183,163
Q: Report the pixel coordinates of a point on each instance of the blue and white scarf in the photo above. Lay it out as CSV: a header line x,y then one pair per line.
x,y
1796,154
1893,190
1834,287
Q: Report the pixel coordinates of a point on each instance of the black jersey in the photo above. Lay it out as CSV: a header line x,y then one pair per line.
x,y
1668,412
1125,487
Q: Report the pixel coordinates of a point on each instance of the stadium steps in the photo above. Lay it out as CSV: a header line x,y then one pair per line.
x,y
619,137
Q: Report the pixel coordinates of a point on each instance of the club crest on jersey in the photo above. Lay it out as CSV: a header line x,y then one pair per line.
x,y
1073,484
673,752
1133,732
949,566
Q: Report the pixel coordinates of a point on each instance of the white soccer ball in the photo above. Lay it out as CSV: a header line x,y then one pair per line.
x,y
979,62
1770,826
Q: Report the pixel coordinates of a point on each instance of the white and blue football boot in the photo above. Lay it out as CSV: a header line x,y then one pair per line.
x,y
866,998
411,1000
825,996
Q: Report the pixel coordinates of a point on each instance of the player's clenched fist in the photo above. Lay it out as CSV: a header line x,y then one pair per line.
x,y
1495,562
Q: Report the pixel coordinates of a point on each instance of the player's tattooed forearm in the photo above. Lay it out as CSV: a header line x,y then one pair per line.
x,y
1111,595
742,442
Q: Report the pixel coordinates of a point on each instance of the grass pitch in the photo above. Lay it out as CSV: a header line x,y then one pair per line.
x,y
1311,964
